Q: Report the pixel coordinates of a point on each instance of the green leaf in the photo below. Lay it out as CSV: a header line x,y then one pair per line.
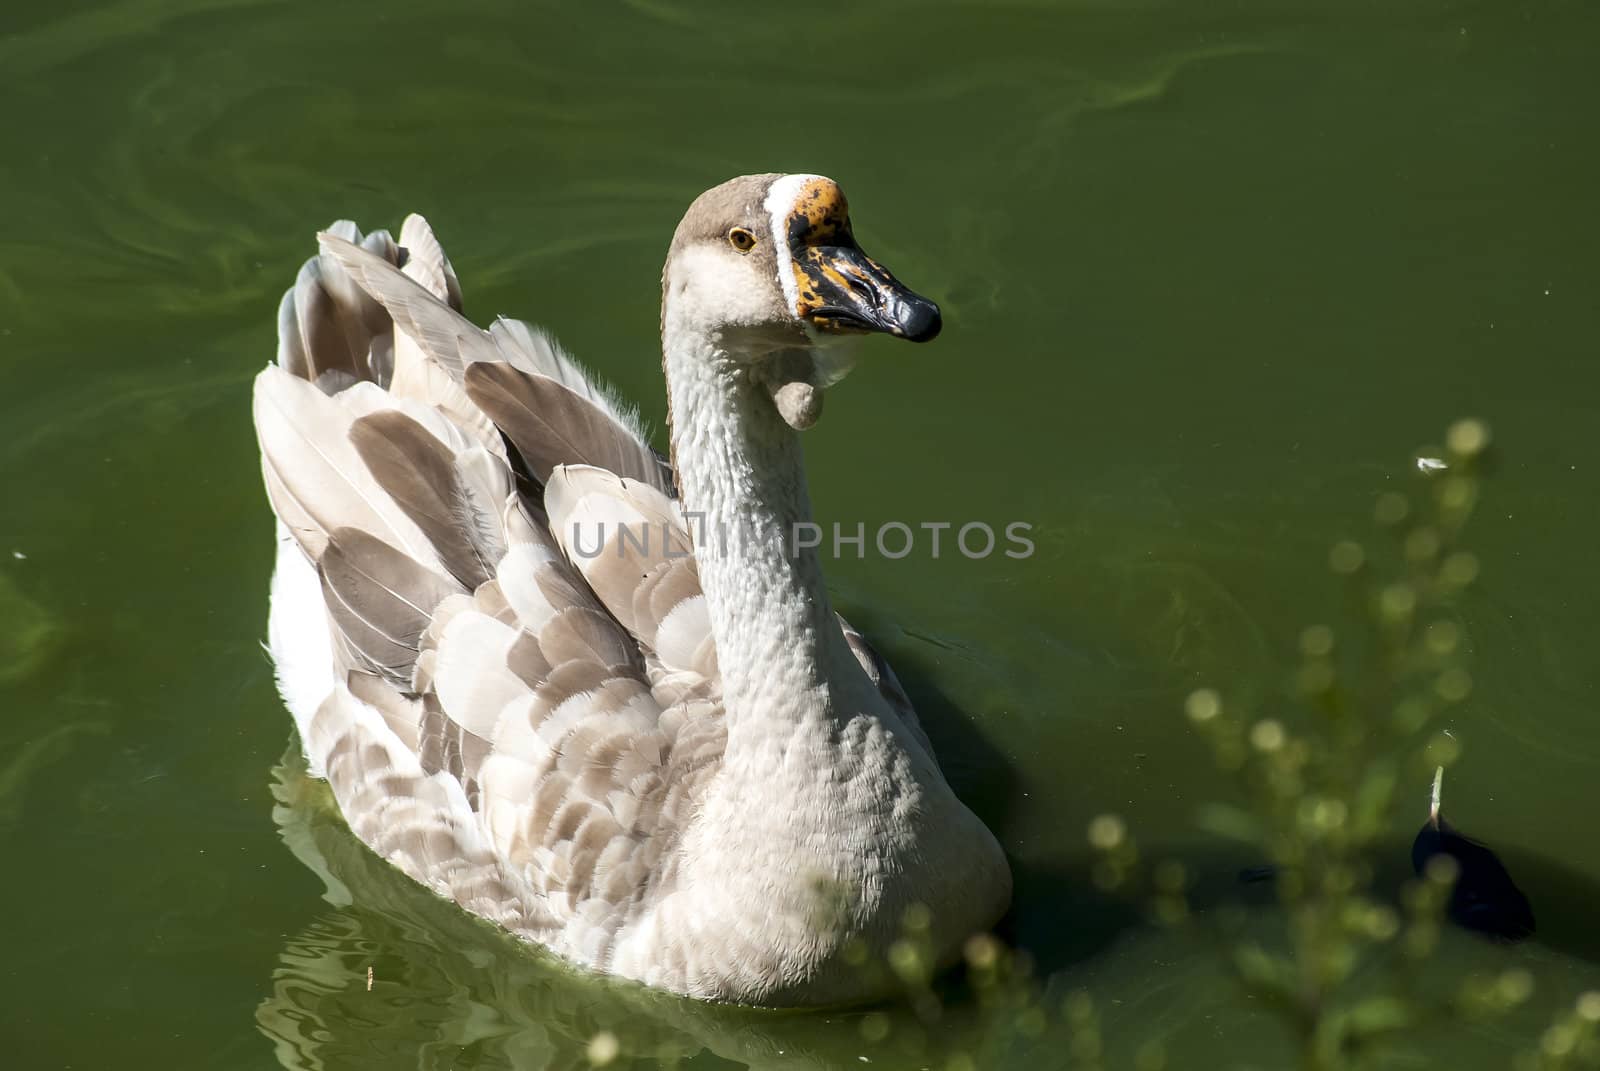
x,y
1378,1015
1370,812
1231,822
1268,974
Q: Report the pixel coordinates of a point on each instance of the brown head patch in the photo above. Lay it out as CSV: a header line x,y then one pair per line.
x,y
820,216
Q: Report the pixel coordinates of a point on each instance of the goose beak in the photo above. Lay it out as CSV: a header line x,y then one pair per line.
x,y
836,287
842,290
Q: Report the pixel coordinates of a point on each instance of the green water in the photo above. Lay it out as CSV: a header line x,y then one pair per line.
x,y
1207,278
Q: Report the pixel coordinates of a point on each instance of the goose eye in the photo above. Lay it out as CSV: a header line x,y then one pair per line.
x,y
741,239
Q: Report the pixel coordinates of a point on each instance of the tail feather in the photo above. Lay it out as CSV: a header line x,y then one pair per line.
x,y
330,331
575,421
426,263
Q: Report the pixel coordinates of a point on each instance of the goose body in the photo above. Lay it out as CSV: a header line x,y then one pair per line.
x,y
596,698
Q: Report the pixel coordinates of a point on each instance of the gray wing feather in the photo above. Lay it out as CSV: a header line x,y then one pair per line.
x,y
551,424
497,732
315,477
444,334
380,599
420,473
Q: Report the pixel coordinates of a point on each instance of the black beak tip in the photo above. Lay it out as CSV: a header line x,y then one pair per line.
x,y
919,320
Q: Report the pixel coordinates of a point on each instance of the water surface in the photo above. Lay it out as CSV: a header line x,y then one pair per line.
x,y
1208,278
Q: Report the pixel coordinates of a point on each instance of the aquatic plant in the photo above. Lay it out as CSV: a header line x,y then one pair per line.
x,y
1323,779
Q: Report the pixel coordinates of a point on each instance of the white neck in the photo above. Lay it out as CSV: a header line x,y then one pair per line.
x,y
821,786
742,478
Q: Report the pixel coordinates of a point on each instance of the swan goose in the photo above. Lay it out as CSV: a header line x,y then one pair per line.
x,y
596,698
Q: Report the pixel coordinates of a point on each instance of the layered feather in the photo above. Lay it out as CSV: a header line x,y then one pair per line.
x,y
519,704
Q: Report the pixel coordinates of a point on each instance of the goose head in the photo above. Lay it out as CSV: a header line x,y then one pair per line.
x,y
768,268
